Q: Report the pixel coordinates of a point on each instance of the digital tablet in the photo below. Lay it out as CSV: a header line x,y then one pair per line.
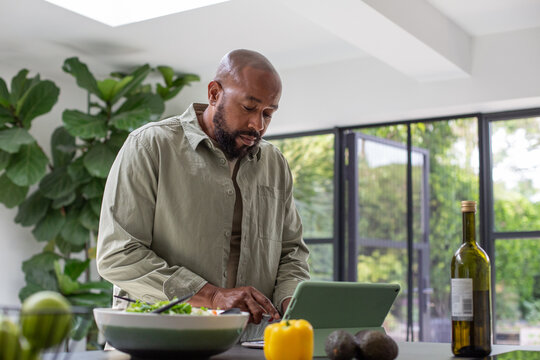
x,y
333,305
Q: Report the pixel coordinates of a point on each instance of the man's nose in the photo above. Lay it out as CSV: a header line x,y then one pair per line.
x,y
256,122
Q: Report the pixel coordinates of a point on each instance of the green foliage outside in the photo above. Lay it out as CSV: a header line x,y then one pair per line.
x,y
311,160
65,203
453,177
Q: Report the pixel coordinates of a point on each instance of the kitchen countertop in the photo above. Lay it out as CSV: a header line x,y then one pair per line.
x,y
407,351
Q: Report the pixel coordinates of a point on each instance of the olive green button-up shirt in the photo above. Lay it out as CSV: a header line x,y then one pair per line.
x,y
167,214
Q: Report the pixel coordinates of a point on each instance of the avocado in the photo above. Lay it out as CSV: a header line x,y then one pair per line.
x,y
375,345
340,345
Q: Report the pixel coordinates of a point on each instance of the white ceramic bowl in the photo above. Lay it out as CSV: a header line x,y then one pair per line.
x,y
163,336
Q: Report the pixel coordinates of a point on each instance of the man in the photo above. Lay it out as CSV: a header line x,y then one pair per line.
x,y
199,203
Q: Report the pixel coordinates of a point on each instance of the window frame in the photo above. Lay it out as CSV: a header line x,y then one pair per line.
x,y
488,235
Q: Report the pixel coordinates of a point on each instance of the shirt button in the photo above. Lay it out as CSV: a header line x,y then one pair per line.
x,y
227,233
222,161
230,191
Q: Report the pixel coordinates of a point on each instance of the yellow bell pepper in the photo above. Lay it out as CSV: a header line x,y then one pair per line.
x,y
289,340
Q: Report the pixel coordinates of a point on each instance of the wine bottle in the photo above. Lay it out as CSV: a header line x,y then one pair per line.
x,y
470,292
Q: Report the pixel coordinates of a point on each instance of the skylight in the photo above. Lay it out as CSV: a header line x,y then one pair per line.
x,y
122,12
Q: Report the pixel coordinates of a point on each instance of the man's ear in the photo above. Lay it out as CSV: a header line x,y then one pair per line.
x,y
214,89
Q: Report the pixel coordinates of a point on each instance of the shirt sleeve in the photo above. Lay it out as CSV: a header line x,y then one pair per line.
x,y
124,247
293,266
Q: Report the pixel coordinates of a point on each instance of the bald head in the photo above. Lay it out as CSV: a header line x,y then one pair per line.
x,y
231,66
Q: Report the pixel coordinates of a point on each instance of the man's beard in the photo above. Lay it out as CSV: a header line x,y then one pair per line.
x,y
227,139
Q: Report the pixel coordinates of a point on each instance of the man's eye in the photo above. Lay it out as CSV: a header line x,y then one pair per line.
x,y
247,108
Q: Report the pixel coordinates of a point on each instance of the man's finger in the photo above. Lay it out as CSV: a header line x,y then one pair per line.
x,y
266,304
255,309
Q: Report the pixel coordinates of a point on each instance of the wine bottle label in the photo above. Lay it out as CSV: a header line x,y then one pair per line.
x,y
462,299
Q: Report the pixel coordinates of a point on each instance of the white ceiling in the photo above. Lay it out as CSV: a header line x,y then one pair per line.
x,y
484,17
426,45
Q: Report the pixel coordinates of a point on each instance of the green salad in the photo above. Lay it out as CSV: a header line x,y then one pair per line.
x,y
143,307
182,308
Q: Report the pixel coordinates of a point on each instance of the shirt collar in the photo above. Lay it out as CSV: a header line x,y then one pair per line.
x,y
195,134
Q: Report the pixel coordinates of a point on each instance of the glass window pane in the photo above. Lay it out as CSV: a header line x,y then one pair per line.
x,y
515,146
321,262
388,265
382,181
517,291
311,159
452,151
382,212
445,171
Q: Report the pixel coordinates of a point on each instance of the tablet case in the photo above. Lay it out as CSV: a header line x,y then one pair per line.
x,y
334,305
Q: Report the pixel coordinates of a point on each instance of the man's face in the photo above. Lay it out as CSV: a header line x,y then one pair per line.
x,y
244,111
228,139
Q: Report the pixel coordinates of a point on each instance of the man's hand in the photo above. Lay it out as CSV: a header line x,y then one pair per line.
x,y
246,298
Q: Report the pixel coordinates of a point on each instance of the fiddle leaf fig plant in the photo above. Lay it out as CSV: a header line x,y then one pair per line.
x,y
64,207
22,161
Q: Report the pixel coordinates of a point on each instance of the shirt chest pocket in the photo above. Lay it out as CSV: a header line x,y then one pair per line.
x,y
270,204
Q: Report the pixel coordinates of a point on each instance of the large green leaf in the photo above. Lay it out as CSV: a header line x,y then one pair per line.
x,y
88,219
57,184
4,159
74,268
61,144
11,195
173,88
5,117
18,86
98,160
94,189
64,201
172,92
84,77
28,290
43,261
32,209
131,120
117,139
138,110
38,100
185,79
163,91
73,232
50,226
66,247
149,101
28,166
96,205
106,88
39,274
168,73
110,87
84,125
65,283
4,94
138,76
78,172
12,139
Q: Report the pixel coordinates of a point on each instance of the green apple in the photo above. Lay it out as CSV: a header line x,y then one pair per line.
x,y
28,353
45,319
10,346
